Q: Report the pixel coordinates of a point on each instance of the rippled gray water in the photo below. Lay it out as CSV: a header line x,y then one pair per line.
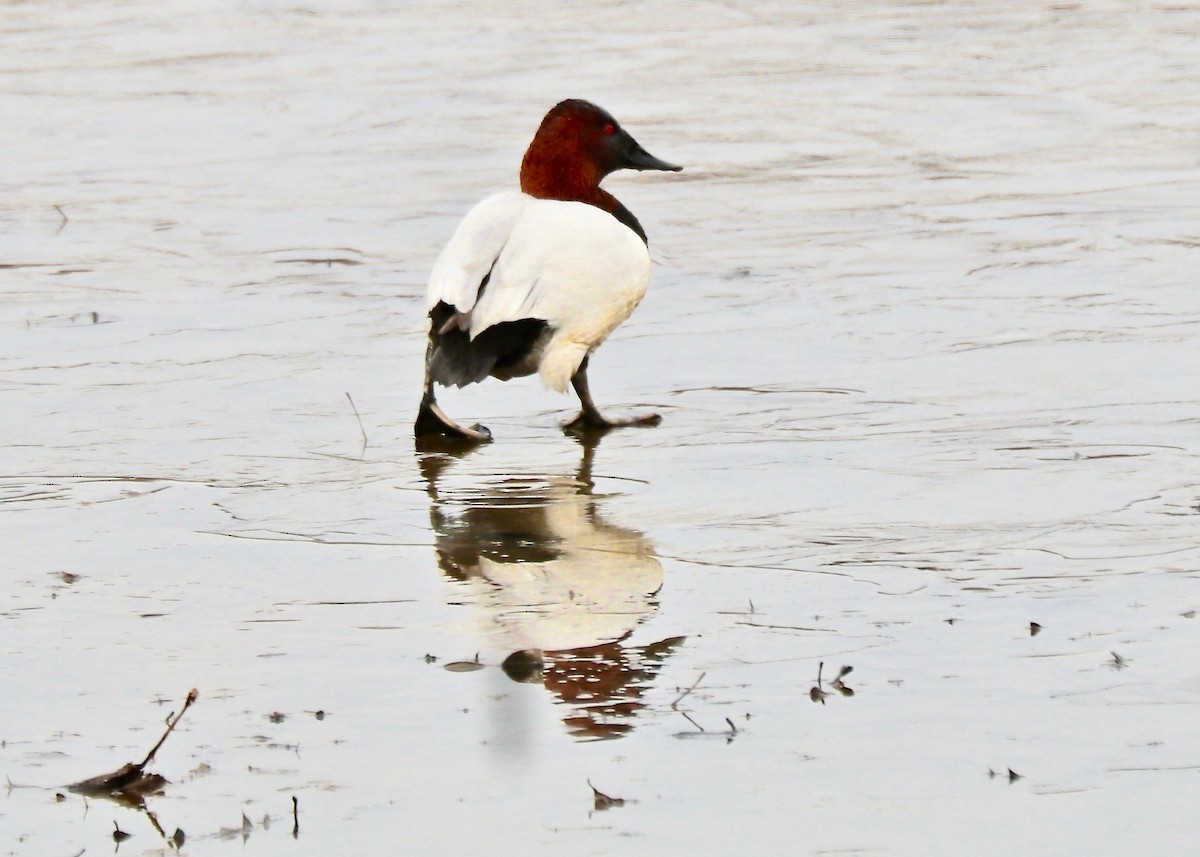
x,y
923,330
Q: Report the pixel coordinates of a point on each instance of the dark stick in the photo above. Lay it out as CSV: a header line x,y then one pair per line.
x,y
691,721
360,423
171,723
695,684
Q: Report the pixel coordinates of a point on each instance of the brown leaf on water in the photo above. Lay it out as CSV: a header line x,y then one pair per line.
x,y
1034,628
1013,776
129,779
118,834
817,695
601,801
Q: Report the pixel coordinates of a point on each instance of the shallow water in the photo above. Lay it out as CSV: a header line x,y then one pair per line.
x,y
923,332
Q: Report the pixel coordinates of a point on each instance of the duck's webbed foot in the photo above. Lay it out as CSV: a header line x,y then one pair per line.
x,y
590,419
593,421
433,424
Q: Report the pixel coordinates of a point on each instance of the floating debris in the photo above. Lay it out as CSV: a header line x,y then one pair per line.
x,y
463,666
601,801
701,732
817,692
688,690
130,783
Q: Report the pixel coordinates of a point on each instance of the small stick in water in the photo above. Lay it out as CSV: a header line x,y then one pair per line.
x,y
695,684
131,779
171,723
362,430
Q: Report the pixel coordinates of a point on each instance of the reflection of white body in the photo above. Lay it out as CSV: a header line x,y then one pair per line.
x,y
596,590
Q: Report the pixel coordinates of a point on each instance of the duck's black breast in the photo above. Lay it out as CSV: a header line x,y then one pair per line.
x,y
624,215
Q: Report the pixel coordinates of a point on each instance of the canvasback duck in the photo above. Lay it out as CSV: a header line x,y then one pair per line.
x,y
535,280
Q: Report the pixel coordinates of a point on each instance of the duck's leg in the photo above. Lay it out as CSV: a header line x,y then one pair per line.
x,y
590,418
432,421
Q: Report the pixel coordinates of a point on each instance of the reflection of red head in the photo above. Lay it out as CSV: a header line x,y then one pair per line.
x,y
555,584
603,684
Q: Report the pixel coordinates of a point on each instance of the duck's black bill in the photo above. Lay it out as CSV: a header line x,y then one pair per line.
x,y
640,159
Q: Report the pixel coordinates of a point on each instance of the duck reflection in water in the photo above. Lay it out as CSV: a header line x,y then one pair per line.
x,y
556,586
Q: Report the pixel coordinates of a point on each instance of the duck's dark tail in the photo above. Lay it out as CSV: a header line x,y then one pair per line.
x,y
456,360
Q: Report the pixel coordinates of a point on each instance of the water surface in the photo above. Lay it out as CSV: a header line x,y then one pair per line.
x,y
922,330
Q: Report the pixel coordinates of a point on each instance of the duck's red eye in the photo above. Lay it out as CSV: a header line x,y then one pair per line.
x,y
609,129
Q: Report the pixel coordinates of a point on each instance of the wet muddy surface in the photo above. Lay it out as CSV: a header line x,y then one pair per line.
x,y
923,332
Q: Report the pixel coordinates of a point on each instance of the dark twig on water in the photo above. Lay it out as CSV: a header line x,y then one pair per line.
x,y
361,430
64,217
171,723
691,721
695,684
295,817
701,732
130,782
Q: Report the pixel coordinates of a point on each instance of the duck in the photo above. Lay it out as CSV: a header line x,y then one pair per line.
x,y
534,280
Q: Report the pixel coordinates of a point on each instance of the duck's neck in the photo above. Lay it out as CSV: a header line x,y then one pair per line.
x,y
553,174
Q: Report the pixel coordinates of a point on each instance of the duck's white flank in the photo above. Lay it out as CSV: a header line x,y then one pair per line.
x,y
570,264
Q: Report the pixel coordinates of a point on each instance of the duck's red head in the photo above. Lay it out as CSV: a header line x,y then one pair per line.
x,y
576,146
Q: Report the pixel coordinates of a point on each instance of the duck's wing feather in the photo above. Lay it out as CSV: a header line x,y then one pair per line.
x,y
468,257
570,264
